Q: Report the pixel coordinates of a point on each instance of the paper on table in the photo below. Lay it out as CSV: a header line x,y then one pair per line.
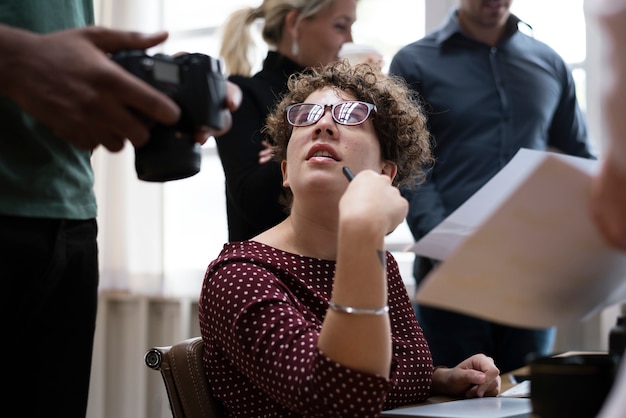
x,y
532,256
520,390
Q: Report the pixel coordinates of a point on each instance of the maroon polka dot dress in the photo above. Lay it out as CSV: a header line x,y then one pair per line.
x,y
261,311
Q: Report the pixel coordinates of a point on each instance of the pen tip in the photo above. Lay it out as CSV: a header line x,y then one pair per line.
x,y
348,173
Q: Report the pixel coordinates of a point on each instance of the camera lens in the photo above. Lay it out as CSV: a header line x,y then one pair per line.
x,y
170,154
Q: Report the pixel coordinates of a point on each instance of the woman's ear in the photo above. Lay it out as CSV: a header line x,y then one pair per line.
x,y
390,169
291,23
283,169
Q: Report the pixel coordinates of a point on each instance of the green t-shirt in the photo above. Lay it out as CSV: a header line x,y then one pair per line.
x,y
40,175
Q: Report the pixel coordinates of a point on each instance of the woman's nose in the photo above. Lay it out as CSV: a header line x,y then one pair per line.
x,y
326,124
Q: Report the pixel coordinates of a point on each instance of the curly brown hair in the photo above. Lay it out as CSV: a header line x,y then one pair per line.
x,y
400,122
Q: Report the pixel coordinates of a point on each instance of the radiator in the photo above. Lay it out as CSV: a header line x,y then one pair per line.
x,y
122,386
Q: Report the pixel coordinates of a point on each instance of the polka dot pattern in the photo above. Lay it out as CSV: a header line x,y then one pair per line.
x,y
261,311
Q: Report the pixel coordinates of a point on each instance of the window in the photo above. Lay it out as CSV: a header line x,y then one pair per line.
x,y
193,225
389,28
568,39
194,209
198,204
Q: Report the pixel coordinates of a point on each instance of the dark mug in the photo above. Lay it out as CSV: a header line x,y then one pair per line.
x,y
573,386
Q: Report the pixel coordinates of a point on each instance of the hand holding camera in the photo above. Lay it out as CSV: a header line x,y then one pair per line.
x,y
195,82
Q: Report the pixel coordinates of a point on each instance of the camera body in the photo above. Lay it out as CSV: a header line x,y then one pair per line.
x,y
195,82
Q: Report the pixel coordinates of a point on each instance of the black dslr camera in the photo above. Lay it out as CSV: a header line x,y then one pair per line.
x,y
195,82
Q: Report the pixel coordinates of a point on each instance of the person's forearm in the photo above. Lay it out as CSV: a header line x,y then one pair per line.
x,y
14,43
359,341
614,105
611,15
439,381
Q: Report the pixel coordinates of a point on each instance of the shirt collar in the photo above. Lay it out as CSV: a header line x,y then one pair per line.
x,y
452,27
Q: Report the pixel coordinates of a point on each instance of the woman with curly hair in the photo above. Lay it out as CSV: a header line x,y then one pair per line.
x,y
311,317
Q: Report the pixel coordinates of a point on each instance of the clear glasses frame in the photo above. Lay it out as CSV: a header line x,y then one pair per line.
x,y
349,113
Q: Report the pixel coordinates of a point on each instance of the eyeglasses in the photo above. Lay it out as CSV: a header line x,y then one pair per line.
x,y
345,113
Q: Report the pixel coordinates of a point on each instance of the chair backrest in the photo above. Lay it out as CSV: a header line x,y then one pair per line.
x,y
188,390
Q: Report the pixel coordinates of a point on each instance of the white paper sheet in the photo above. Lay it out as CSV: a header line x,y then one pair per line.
x,y
523,250
461,223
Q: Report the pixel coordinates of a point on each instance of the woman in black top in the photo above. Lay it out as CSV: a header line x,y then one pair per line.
x,y
300,34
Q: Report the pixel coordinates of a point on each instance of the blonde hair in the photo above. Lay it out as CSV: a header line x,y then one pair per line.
x,y
237,40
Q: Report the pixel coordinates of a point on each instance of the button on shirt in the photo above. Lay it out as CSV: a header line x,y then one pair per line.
x,y
484,104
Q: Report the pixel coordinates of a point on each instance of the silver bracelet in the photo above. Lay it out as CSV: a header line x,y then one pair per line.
x,y
357,311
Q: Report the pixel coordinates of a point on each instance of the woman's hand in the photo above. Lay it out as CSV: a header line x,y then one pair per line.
x,y
265,154
474,377
233,100
373,199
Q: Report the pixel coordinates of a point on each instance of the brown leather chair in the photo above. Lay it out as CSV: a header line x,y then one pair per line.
x,y
188,390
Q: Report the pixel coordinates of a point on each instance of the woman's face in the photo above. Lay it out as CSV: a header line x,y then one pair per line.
x,y
320,38
316,154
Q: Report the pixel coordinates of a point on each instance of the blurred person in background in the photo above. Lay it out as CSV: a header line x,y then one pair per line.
x,y
61,96
489,90
299,34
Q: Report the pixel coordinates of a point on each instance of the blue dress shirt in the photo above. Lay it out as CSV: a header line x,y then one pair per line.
x,y
483,104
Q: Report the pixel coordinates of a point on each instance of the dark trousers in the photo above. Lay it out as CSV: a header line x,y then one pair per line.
x,y
453,337
48,303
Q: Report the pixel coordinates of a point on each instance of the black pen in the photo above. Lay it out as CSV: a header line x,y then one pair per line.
x,y
348,173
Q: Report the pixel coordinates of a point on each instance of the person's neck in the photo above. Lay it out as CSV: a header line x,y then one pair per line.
x,y
284,49
489,35
308,231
